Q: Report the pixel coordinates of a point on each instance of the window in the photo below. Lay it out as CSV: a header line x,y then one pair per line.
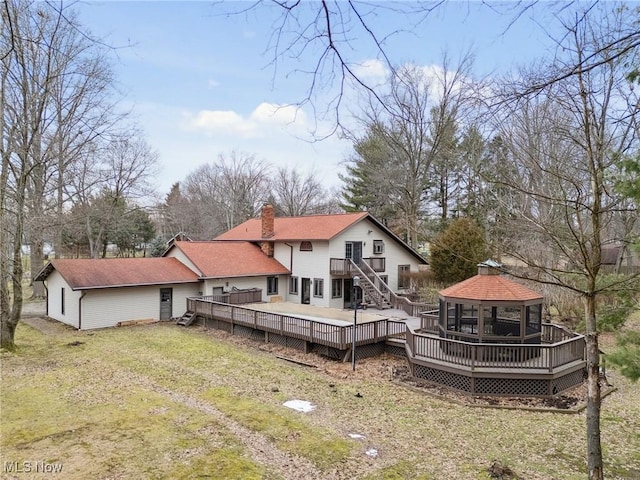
x,y
348,250
403,276
336,288
378,247
318,287
534,319
293,285
306,247
272,285
62,300
385,279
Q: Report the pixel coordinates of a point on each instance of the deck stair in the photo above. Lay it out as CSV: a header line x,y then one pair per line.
x,y
373,295
186,319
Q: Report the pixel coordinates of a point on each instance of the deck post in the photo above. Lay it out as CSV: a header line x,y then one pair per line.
x,y
311,331
550,350
474,353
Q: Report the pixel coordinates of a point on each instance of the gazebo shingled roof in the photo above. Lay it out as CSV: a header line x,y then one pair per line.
x,y
490,288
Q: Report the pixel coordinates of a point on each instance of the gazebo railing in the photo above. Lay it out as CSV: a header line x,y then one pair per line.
x,y
425,346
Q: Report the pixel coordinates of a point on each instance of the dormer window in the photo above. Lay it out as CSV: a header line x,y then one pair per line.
x,y
378,247
306,247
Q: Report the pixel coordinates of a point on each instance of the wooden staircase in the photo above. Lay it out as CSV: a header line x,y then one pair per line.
x,y
371,294
186,319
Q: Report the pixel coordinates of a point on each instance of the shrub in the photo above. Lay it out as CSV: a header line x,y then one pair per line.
x,y
456,252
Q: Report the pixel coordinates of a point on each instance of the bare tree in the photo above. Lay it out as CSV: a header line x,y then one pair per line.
x,y
415,128
117,173
564,141
294,194
29,74
227,192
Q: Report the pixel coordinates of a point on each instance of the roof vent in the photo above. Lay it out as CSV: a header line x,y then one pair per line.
x,y
489,267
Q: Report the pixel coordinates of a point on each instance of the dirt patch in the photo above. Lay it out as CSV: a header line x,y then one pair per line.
x,y
34,309
46,325
387,367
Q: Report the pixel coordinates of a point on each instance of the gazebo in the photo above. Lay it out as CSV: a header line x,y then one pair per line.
x,y
488,338
490,308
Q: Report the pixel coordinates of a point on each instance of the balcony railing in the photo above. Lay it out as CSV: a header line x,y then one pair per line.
x,y
343,266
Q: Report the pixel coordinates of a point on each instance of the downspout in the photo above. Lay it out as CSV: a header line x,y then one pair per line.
x,y
290,257
82,294
46,303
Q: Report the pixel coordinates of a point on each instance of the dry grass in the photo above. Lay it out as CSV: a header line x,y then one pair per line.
x,y
160,401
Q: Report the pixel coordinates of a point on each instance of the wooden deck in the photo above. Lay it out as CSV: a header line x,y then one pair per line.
x,y
331,332
542,369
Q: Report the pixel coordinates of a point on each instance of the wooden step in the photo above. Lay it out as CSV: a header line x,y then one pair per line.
x,y
186,319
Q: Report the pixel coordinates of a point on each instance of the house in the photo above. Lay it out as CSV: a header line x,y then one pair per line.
x,y
323,252
310,260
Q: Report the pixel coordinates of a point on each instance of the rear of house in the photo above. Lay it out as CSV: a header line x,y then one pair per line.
x,y
318,249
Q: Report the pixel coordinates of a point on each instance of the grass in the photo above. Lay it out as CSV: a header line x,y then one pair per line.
x,y
165,402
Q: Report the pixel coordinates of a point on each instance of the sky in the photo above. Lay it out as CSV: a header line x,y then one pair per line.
x,y
202,82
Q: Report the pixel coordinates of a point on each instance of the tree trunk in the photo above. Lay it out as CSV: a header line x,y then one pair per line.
x,y
594,449
36,256
7,332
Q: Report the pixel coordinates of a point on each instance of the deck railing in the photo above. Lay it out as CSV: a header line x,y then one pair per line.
x,y
337,336
426,346
413,309
237,297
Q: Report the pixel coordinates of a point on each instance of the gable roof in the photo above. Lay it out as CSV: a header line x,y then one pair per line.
x,y
230,259
311,227
92,273
490,288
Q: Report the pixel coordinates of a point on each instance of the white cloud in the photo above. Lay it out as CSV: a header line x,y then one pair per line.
x,y
213,83
261,122
220,121
279,114
371,69
186,140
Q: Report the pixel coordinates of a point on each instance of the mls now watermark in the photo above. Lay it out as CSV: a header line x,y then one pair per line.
x,y
28,466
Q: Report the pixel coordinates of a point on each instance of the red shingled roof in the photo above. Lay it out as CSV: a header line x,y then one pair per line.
x,y
230,259
312,227
88,273
490,287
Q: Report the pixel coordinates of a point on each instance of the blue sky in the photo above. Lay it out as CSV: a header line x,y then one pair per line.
x,y
202,83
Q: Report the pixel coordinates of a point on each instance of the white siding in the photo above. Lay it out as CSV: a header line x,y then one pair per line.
x,y
394,253
177,253
106,307
313,264
55,284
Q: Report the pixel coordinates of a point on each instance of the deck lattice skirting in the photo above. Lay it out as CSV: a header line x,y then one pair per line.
x,y
541,370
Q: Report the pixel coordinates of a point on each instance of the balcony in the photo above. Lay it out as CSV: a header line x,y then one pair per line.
x,y
342,266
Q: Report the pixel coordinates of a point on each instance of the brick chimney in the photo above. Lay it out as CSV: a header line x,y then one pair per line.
x,y
267,215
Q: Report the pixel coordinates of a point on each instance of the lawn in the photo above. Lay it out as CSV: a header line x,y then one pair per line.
x,y
160,401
